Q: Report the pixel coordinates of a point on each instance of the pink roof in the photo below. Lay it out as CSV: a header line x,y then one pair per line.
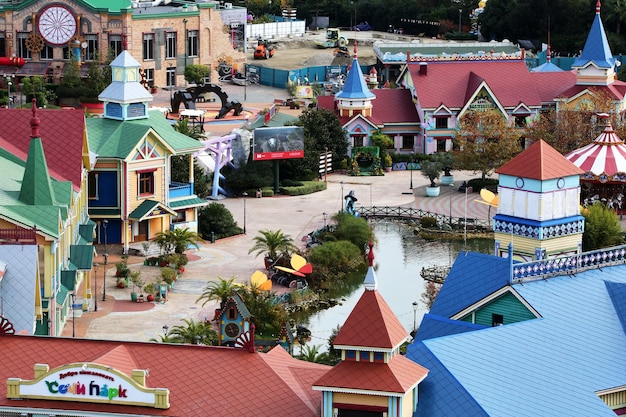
x,y
605,156
399,375
62,133
539,161
216,380
550,85
452,83
371,324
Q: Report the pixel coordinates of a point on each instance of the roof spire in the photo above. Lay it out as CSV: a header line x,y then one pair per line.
x,y
370,278
34,121
598,5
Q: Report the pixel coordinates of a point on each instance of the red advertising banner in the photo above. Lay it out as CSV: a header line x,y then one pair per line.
x,y
271,143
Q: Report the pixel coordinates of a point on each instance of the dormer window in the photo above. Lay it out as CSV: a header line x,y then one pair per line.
x,y
441,122
497,320
520,121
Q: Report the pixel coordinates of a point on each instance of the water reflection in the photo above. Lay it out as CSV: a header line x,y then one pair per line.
x,y
400,256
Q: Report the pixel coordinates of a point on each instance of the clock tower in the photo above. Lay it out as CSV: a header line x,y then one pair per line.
x,y
235,328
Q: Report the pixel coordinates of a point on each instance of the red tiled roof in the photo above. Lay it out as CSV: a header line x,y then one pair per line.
x,y
62,133
615,90
550,85
541,162
399,376
393,105
451,82
203,380
371,324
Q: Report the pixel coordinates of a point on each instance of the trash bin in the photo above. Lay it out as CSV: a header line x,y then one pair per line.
x,y
212,237
259,193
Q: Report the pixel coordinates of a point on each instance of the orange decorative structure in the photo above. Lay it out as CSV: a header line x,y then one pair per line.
x,y
260,281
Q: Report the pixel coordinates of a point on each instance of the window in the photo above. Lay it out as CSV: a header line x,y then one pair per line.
x,y
232,314
497,320
441,122
358,140
364,356
180,217
146,183
3,44
350,354
170,45
92,186
92,47
115,44
22,50
170,77
441,144
149,73
192,43
408,142
148,46
520,121
46,53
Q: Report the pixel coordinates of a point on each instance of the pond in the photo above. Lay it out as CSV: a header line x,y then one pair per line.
x,y
400,256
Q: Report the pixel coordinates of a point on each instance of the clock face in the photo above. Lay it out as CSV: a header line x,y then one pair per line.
x,y
57,25
231,330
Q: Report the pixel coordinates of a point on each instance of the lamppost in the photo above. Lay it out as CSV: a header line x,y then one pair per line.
x,y
245,195
324,214
451,190
414,318
165,329
341,199
9,84
460,11
95,286
73,314
105,223
186,39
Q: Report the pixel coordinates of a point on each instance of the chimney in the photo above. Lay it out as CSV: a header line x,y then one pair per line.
x,y
423,68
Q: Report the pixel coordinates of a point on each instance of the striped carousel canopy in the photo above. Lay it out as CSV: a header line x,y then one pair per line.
x,y
604,159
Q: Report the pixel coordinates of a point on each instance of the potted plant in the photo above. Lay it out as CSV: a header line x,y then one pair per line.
x,y
135,278
149,290
168,275
447,164
432,171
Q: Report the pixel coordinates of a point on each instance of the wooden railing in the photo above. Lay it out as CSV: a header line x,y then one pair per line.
x,y
16,236
416,214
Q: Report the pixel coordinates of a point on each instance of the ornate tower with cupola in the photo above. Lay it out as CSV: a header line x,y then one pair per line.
x,y
125,98
595,65
355,97
538,205
372,378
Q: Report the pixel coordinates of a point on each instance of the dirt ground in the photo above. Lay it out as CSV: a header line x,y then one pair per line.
x,y
301,52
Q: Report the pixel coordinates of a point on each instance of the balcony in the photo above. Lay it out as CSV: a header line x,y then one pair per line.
x,y
180,189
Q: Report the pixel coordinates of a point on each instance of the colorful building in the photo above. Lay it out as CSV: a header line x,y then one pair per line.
x,y
167,36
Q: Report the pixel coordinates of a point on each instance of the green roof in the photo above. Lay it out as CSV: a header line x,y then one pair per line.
x,y
146,209
68,279
113,6
82,256
36,183
278,120
86,231
62,295
188,202
116,139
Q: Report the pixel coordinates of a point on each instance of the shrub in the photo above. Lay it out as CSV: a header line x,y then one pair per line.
x,y
217,219
352,229
168,274
336,256
428,221
478,184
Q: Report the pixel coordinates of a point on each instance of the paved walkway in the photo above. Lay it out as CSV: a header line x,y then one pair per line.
x,y
119,318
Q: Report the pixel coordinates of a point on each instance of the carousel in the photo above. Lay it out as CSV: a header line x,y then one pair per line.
x,y
604,164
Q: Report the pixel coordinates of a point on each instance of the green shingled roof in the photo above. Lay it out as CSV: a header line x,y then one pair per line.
x,y
147,207
278,120
81,256
86,231
110,5
116,139
188,202
68,279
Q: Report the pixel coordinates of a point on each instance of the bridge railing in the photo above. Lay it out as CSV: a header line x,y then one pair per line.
x,y
416,214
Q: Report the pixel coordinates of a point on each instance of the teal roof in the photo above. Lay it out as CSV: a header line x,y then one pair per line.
x,y
278,120
82,256
146,209
110,5
86,231
62,295
36,183
68,279
188,202
116,139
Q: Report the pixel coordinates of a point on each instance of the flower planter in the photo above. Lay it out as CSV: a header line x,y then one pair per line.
x,y
447,179
150,297
133,297
432,191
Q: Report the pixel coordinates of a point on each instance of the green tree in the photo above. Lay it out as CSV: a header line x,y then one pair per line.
x,y
177,240
602,227
193,333
485,141
273,243
313,354
71,84
353,229
96,81
220,290
267,315
431,170
35,87
195,73
215,218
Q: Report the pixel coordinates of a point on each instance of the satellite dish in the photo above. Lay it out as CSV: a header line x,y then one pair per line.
x,y
84,45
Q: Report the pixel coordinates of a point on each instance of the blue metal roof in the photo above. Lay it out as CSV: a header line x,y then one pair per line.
x,y
472,277
437,326
355,86
553,365
596,48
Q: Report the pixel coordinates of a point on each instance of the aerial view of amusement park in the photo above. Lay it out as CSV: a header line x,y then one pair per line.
x,y
366,208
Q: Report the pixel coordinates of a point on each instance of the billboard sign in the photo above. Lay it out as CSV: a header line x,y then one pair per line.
x,y
272,143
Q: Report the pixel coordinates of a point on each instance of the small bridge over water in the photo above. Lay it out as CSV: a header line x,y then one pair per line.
x,y
410,213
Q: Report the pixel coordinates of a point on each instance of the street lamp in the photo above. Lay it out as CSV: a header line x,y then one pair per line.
x,y
451,190
186,39
324,214
245,195
9,84
414,318
341,199
105,223
95,286
73,314
460,11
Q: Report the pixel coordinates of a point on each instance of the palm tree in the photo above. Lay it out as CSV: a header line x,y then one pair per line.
x,y
177,240
182,126
312,354
271,242
218,290
194,333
